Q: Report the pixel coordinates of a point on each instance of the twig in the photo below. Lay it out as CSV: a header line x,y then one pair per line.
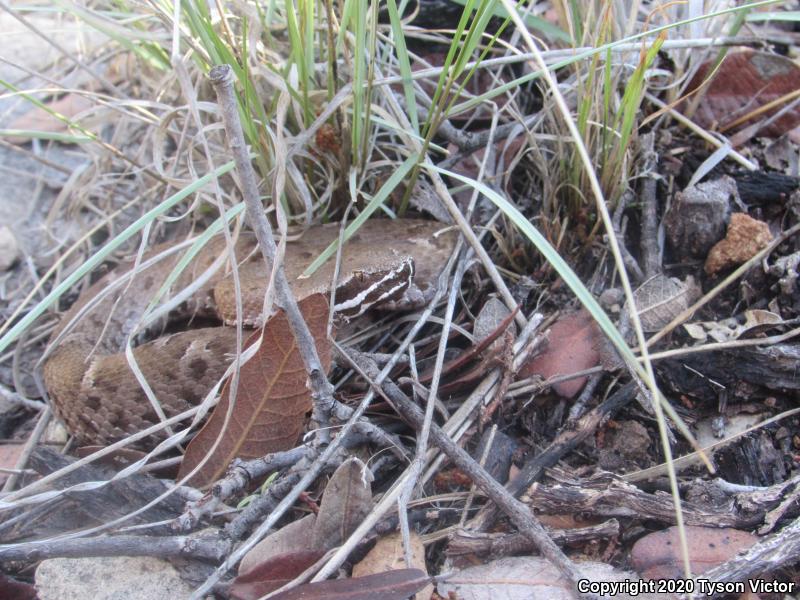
x,y
30,445
206,548
496,545
239,476
417,466
221,78
650,254
519,514
563,443
605,496
15,398
280,492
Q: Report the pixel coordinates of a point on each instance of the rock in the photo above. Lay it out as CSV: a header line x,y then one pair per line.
x,y
628,447
9,248
658,555
696,219
746,236
109,578
573,345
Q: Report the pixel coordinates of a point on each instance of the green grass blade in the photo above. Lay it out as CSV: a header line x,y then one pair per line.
x,y
98,257
399,39
554,32
553,257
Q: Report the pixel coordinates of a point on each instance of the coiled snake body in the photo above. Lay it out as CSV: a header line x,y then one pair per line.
x,y
87,374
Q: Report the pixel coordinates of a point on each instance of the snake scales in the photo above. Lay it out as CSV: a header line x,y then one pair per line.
x,y
92,388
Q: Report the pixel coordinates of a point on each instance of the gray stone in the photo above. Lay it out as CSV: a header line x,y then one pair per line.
x,y
698,215
9,248
109,578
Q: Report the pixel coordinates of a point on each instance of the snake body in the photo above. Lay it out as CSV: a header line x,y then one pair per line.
x,y
88,377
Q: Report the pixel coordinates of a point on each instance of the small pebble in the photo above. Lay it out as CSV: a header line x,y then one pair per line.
x,y
745,238
9,248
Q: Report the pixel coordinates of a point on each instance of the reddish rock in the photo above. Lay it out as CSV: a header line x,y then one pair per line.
x,y
745,238
572,346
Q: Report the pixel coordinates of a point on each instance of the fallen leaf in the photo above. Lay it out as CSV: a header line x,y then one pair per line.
x,y
9,456
290,538
745,238
493,317
756,321
572,346
38,119
745,82
658,555
388,554
346,502
527,578
272,398
660,299
11,589
272,574
393,585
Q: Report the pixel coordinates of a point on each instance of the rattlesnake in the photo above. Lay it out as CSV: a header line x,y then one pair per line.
x,y
92,388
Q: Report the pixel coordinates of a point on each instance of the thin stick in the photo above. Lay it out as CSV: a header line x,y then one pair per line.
x,y
221,78
519,514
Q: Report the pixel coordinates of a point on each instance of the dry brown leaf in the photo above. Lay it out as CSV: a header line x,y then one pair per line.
x,y
272,399
16,590
572,346
745,82
290,538
346,502
660,299
392,585
39,119
658,555
269,575
492,315
756,322
529,578
388,554
477,350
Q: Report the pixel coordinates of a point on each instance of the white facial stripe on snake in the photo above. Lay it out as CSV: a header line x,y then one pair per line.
x,y
398,278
